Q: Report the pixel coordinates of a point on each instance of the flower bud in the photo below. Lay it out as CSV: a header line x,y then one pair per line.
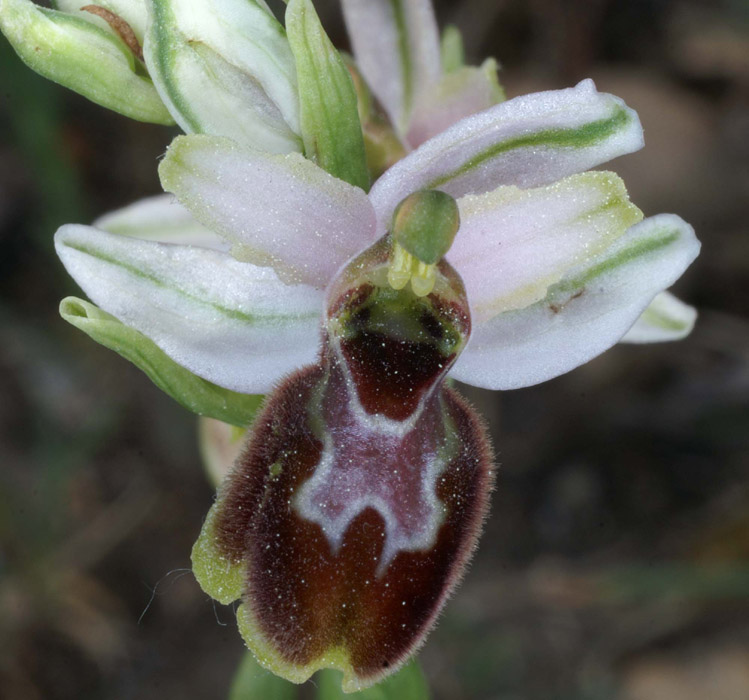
x,y
84,53
224,67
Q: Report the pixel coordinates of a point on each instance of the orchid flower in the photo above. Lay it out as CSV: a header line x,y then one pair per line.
x,y
550,265
491,254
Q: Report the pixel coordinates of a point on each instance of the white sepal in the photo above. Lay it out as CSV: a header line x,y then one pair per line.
x,y
277,210
232,323
587,312
528,141
397,48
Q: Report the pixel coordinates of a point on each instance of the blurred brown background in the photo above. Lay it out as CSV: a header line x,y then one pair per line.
x,y
615,564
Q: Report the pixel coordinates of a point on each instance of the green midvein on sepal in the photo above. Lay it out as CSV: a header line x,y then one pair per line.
x,y
192,392
583,136
77,53
329,114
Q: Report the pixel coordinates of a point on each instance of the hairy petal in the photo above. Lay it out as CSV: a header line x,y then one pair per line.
x,y
397,47
585,313
231,323
514,244
352,511
160,218
308,606
281,211
667,318
528,141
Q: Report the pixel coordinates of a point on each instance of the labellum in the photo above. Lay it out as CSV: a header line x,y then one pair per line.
x,y
360,494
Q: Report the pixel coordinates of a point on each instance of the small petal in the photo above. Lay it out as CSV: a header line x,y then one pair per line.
x,y
134,12
161,218
329,112
281,211
215,60
514,244
75,51
397,47
459,94
584,314
195,394
231,323
667,318
529,141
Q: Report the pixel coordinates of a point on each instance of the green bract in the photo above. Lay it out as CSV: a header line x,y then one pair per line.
x,y
451,49
82,53
195,394
329,113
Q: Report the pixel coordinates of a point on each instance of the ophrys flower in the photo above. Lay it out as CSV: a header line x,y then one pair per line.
x,y
363,471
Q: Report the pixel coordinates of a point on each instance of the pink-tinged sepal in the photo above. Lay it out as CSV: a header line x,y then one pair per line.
x,y
360,495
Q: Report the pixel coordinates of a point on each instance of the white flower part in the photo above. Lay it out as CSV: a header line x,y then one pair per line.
x,y
667,318
160,218
224,67
397,48
514,244
232,323
459,94
585,313
282,211
528,141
